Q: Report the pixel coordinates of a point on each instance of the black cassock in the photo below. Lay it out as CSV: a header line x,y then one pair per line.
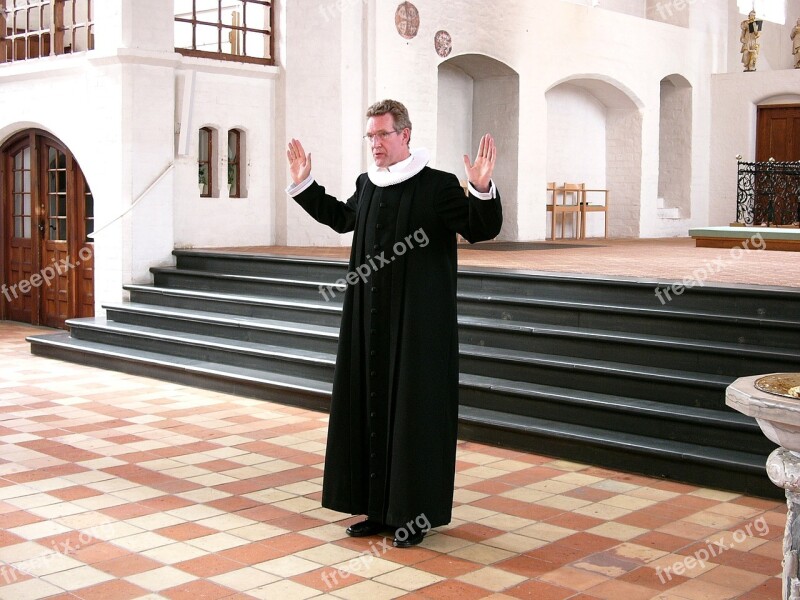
x,y
394,411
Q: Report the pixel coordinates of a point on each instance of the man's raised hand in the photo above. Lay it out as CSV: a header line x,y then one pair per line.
x,y
479,174
299,162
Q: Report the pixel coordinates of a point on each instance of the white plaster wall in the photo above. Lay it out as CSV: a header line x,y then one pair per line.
x,y
635,8
668,12
630,7
734,99
675,145
576,134
576,142
496,110
631,53
120,150
454,100
119,106
325,97
118,109
225,97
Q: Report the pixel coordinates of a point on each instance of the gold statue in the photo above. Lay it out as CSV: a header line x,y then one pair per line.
x,y
749,38
796,44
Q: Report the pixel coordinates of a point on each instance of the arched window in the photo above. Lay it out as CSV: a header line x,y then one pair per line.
x,y
769,10
235,163
205,165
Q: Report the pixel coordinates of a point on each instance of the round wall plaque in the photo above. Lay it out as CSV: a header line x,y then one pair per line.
x,y
406,19
443,43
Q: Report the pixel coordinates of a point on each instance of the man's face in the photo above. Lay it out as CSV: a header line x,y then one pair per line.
x,y
393,147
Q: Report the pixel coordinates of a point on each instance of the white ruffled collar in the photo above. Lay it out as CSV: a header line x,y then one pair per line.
x,y
382,177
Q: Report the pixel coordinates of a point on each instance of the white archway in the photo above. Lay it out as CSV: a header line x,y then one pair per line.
x,y
594,136
675,146
478,94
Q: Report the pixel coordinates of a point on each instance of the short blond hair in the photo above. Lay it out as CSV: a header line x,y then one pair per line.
x,y
391,107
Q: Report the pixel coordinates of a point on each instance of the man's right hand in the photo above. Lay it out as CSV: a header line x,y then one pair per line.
x,y
299,162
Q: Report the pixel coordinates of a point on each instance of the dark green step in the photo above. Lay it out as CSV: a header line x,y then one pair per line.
x,y
691,463
302,336
317,312
724,428
231,379
660,384
309,364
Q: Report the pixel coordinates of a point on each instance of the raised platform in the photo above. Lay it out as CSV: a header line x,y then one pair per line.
x,y
755,238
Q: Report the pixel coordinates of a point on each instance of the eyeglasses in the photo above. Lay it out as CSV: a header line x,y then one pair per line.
x,y
380,135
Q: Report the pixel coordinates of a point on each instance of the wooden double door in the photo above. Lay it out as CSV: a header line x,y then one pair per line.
x,y
47,214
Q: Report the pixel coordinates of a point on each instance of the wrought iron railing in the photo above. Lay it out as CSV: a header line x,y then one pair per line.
x,y
768,193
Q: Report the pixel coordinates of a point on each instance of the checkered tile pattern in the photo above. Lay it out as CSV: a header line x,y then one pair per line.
x,y
115,487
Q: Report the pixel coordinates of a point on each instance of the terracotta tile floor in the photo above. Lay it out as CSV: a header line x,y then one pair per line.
x,y
114,487
658,259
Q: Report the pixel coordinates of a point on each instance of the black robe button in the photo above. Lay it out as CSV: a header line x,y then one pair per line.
x,y
374,289
372,414
373,455
372,475
372,395
376,247
372,373
372,352
374,311
373,435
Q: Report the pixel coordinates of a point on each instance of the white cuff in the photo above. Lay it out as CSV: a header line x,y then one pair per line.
x,y
490,195
294,189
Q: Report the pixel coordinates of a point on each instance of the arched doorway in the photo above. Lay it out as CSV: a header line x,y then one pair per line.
x,y
594,136
47,214
675,146
478,94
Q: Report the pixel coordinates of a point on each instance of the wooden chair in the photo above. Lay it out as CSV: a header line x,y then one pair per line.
x,y
588,207
565,201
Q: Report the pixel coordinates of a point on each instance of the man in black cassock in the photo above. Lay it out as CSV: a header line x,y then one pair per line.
x,y
394,411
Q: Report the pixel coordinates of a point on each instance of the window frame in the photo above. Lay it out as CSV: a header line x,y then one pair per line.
x,y
236,162
24,216
53,39
764,11
241,28
208,186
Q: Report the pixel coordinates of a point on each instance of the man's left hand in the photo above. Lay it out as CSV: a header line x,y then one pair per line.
x,y
479,174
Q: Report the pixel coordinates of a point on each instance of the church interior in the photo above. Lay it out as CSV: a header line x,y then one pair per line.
x,y
169,315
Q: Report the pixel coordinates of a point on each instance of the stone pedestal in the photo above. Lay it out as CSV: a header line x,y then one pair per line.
x,y
773,401
783,468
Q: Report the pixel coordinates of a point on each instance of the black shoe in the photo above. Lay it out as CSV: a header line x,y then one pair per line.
x,y
364,528
408,539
